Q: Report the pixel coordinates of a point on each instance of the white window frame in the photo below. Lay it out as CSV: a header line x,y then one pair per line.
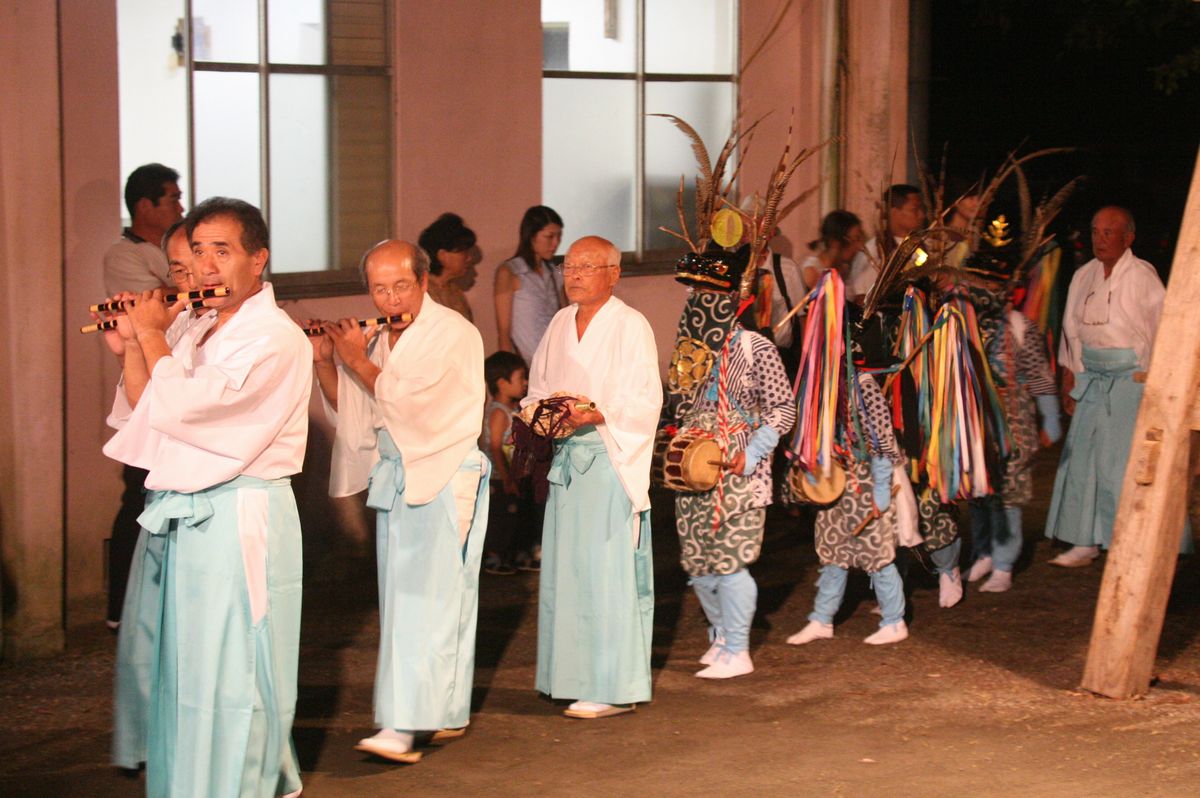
x,y
300,284
642,260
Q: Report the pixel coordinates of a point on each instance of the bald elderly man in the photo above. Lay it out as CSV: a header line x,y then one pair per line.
x,y
408,407
596,604
1111,318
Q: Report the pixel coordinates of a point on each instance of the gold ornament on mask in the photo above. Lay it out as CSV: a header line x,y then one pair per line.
x,y
726,227
996,233
690,364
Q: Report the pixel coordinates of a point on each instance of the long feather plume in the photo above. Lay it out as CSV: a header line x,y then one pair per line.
x,y
683,236
698,148
1034,238
1026,204
889,271
796,202
711,185
989,192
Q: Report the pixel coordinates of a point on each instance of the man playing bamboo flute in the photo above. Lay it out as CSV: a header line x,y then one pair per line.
x,y
409,412
220,421
596,603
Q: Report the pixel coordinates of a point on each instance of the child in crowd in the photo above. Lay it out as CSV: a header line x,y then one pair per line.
x,y
511,519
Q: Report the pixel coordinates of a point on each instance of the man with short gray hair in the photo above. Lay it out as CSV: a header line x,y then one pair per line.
x,y
596,595
408,406
1111,318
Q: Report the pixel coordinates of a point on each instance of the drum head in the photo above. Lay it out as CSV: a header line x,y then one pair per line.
x,y
828,488
698,468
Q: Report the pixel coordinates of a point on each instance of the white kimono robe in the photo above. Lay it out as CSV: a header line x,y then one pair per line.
x,y
1108,333
356,423
1121,312
616,366
596,589
220,428
417,439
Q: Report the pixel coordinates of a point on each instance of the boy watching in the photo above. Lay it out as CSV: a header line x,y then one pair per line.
x,y
510,517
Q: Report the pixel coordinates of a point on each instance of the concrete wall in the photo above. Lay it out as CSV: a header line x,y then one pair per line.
x,y
91,191
468,125
468,138
31,297
877,134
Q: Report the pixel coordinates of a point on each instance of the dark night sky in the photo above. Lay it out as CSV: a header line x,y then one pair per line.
x,y
1015,73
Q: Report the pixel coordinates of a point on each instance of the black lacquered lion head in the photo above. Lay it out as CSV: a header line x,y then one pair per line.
x,y
715,269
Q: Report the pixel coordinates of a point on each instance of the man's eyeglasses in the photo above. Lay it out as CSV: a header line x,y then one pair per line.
x,y
402,287
586,269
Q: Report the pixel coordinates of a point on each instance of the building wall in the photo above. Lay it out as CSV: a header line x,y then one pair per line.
x,y
31,363
91,191
877,133
468,138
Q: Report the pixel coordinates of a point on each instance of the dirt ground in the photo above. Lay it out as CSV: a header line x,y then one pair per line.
x,y
980,700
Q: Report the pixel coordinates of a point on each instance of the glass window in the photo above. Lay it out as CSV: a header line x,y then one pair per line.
x,y
296,31
302,130
607,167
299,218
225,30
225,136
601,35
707,107
690,36
589,156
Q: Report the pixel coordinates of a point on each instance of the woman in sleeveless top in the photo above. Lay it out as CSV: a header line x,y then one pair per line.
x,y
528,291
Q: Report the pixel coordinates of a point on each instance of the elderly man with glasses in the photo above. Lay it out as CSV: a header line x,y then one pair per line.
x,y
596,607
408,409
1112,313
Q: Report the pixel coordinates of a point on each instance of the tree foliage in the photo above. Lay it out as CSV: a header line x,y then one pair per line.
x,y
1164,33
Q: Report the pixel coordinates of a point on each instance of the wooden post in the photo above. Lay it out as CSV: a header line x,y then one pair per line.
x,y
1150,515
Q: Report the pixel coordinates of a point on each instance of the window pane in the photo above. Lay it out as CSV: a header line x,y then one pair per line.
x,y
690,36
582,37
588,156
708,107
226,136
296,31
357,31
360,128
152,89
299,173
225,30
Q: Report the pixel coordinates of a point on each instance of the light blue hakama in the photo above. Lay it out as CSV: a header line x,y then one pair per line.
x,y
1087,486
428,598
596,602
222,686
137,650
